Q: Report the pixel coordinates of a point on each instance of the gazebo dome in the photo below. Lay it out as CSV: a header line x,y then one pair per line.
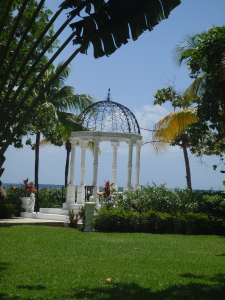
x,y
107,116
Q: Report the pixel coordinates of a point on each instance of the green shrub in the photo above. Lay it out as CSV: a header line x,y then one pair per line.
x,y
120,219
13,197
176,201
213,205
157,199
51,198
7,211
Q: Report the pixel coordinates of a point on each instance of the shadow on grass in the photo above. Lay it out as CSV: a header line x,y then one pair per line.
x,y
219,278
32,288
210,289
193,290
3,266
6,297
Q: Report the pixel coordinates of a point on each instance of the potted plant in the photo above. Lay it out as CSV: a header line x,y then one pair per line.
x,y
106,194
28,200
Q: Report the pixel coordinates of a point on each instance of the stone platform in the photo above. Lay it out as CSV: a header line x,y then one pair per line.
x,y
28,221
54,214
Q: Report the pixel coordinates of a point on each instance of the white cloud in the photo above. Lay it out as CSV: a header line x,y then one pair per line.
x,y
148,116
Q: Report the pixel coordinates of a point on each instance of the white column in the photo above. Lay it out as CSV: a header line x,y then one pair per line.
x,y
70,195
81,187
96,141
129,186
137,167
115,145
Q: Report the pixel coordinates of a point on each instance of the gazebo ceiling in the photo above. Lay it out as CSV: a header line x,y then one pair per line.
x,y
107,116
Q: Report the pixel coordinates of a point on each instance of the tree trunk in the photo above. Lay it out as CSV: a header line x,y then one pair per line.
x,y
68,150
188,173
36,160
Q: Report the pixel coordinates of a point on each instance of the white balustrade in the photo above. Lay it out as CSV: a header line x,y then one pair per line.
x,y
89,215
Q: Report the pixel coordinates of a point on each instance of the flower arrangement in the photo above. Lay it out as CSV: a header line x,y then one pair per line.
x,y
107,191
73,218
29,187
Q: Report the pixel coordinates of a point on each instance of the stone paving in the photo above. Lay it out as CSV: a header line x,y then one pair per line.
x,y
27,221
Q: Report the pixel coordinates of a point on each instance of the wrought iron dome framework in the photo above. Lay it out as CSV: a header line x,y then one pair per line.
x,y
107,116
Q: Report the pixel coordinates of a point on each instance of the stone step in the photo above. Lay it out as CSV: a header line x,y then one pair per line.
x,y
50,216
55,211
45,216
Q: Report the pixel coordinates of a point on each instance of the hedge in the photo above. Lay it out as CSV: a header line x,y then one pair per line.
x,y
118,219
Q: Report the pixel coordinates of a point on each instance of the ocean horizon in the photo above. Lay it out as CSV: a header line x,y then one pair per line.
x,y
42,186
59,186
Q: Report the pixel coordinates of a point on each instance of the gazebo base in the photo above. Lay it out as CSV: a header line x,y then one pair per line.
x,y
57,214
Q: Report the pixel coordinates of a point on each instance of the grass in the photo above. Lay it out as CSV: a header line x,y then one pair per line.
x,y
40,262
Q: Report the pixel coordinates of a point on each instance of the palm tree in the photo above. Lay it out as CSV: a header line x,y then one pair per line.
x,y
61,99
106,24
209,103
171,131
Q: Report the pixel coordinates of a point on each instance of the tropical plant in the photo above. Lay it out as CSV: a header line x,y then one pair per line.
x,y
107,190
62,100
105,23
73,218
175,98
29,187
17,35
204,55
171,130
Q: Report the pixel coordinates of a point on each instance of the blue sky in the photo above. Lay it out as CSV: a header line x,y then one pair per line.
x,y
134,73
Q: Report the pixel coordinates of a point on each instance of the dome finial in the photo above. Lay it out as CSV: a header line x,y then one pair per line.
x,y
108,97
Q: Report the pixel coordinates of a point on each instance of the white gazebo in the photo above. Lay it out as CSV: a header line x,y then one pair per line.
x,y
103,121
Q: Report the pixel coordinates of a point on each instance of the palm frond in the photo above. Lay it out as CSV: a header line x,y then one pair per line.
x,y
196,88
170,127
60,82
64,99
110,24
49,104
189,42
44,143
91,145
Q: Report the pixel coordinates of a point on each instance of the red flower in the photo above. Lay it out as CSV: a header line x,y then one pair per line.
x,y
11,186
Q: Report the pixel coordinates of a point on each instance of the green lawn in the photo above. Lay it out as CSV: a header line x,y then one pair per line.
x,y
40,262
